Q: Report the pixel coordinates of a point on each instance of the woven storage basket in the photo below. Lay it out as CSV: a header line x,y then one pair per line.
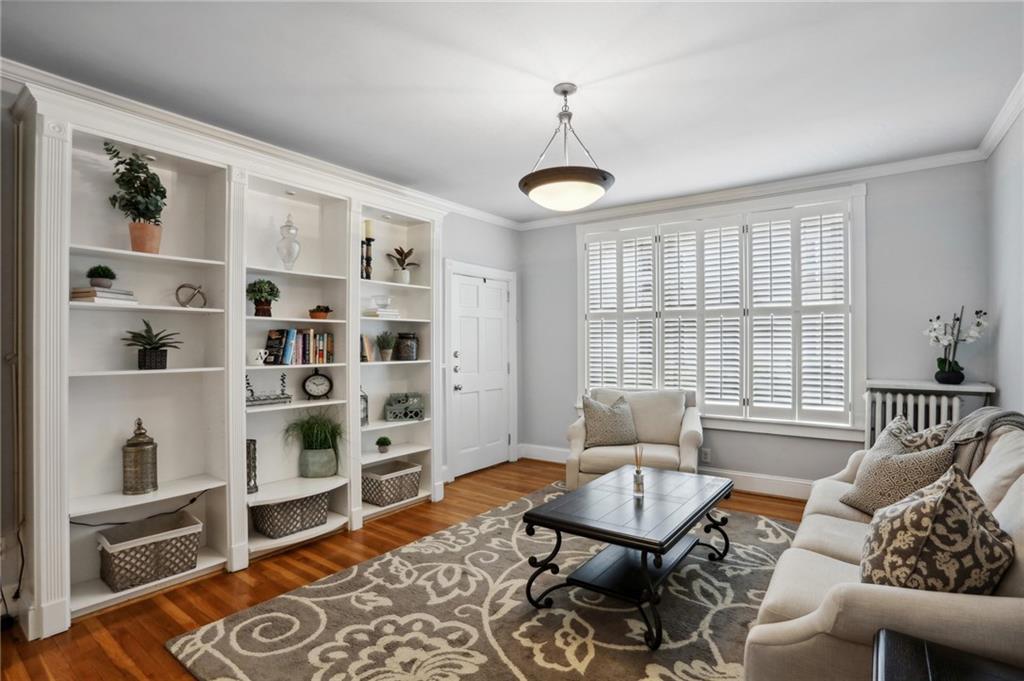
x,y
148,550
289,517
391,482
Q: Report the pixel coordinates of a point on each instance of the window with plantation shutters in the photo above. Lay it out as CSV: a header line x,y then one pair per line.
x,y
750,310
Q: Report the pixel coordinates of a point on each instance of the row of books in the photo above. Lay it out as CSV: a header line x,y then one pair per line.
x,y
112,296
299,346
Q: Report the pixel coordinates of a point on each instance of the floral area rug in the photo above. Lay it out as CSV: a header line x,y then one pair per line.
x,y
452,606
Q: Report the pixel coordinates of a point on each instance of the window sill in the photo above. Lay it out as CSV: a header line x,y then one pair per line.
x,y
815,431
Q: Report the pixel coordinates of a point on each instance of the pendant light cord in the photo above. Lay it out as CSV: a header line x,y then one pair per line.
x,y
565,127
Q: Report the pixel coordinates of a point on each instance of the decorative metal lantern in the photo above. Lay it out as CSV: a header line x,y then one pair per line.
x,y
250,467
364,407
139,462
408,347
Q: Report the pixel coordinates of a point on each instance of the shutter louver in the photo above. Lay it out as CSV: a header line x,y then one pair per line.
x,y
638,273
823,361
602,276
679,270
771,268
772,361
723,360
602,353
722,267
637,353
679,370
823,259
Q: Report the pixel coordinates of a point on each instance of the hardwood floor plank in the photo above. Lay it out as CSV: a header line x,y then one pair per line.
x,y
127,642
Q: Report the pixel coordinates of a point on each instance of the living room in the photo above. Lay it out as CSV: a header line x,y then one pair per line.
x,y
512,340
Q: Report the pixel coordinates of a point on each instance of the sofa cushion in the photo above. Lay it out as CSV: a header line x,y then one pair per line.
x,y
608,424
1002,466
607,459
658,414
940,538
887,475
833,537
800,582
824,499
1010,516
900,430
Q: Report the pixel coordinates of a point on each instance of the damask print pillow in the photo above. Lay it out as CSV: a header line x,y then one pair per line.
x,y
608,424
940,538
900,431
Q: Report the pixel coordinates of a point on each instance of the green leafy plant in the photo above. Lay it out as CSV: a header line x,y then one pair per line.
x,y
315,431
321,308
262,291
383,441
401,258
147,339
100,272
386,340
141,196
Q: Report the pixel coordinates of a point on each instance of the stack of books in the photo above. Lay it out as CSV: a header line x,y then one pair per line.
x,y
112,296
382,312
299,346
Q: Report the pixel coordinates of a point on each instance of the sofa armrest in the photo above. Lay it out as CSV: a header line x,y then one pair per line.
x,y
849,473
576,435
691,436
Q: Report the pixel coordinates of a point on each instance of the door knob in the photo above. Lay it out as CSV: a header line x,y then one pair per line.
x,y
455,354
457,387
455,369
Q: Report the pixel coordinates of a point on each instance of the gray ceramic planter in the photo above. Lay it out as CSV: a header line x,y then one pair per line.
x,y
317,463
101,282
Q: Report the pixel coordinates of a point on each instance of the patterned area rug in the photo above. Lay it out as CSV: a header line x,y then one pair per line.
x,y
452,606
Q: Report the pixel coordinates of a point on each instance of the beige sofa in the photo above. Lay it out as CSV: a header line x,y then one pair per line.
x,y
817,619
667,423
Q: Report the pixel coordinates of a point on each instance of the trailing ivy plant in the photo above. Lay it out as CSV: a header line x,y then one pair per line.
x,y
262,291
100,272
141,196
147,339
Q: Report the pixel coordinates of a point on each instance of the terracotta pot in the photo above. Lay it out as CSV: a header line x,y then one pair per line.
x,y
263,309
145,237
314,314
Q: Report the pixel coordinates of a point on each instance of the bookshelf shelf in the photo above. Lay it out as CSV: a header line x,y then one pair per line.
x,y
259,543
381,424
280,271
394,362
148,372
293,320
104,252
285,367
169,489
393,284
372,510
370,458
410,320
293,488
141,307
297,404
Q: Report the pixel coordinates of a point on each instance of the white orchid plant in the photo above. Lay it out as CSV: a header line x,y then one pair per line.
x,y
950,334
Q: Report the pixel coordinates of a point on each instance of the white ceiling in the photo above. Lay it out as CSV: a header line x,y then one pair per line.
x,y
455,99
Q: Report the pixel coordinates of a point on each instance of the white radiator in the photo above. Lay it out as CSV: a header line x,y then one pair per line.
x,y
922,410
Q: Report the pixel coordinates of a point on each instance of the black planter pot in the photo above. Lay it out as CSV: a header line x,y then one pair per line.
x,y
152,359
949,377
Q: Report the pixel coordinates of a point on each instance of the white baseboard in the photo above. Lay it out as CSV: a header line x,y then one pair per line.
x,y
762,483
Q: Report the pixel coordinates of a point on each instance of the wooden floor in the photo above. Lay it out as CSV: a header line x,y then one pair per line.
x,y
127,642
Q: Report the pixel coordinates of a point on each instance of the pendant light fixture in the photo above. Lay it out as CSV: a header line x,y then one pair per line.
x,y
565,187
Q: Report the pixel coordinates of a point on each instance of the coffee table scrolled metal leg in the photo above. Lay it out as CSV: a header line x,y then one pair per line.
x,y
650,598
543,565
717,525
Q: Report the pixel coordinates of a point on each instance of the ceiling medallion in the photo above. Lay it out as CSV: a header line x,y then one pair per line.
x,y
566,187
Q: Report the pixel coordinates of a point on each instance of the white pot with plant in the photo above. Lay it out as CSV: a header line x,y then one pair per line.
x,y
383,442
101,276
949,335
400,258
141,197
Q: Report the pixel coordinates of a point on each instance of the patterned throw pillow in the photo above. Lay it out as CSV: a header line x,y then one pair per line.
x,y
608,425
940,538
900,462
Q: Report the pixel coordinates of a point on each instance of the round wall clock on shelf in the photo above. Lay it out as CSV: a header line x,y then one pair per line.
x,y
317,386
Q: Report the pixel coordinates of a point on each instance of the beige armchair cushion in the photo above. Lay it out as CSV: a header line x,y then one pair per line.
x,y
603,460
1002,467
837,538
658,414
800,582
824,499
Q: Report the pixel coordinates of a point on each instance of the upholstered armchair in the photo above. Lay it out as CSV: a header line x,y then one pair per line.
x,y
667,424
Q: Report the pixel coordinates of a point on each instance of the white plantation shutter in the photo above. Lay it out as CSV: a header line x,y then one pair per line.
x,y
722,280
637,354
679,270
723,362
638,273
680,358
722,262
602,353
823,362
823,258
771,360
771,266
602,276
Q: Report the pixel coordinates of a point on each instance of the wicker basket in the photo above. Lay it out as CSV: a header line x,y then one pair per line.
x,y
391,483
289,517
148,550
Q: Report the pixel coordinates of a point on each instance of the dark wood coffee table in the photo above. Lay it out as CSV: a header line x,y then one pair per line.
x,y
647,539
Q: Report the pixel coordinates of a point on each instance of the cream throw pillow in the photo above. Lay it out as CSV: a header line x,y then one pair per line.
x,y
608,424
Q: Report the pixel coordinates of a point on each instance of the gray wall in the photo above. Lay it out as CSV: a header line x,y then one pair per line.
x,y
1006,306
919,263
481,243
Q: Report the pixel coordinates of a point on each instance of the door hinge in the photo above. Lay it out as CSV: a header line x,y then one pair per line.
x,y
510,438
746,401
746,229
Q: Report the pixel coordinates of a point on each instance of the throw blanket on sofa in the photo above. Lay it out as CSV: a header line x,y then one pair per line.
x,y
970,434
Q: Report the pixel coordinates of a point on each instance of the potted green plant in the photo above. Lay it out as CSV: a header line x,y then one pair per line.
x,y
383,442
319,434
386,345
320,312
262,292
141,197
402,264
152,345
101,276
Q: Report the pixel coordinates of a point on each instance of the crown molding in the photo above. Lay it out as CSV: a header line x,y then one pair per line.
x,y
17,75
1004,119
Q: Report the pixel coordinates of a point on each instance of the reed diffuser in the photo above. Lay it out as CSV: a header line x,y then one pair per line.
x,y
638,474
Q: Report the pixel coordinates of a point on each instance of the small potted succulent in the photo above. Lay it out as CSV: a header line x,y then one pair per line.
x,y
402,264
101,276
141,198
386,345
152,346
319,435
949,335
383,442
262,292
320,312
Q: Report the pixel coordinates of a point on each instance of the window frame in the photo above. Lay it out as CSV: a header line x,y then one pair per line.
x,y
803,422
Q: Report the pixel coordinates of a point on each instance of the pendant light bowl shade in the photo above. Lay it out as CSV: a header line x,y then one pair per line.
x,y
566,188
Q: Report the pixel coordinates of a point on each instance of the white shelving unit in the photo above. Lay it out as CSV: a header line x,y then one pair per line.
x,y
227,197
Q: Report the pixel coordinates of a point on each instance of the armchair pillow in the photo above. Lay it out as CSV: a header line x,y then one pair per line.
x,y
940,538
608,424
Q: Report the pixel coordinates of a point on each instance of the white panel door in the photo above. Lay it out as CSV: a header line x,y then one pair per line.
x,y
479,374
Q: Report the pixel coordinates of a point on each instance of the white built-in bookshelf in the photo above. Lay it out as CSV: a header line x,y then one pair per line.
x,y
226,202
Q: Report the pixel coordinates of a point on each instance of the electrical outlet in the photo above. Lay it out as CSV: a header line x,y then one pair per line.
x,y
705,455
